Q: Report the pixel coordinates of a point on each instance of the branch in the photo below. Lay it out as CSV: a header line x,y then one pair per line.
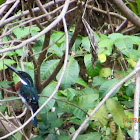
x,y
43,10
25,13
5,5
127,12
9,12
32,14
103,101
104,12
136,103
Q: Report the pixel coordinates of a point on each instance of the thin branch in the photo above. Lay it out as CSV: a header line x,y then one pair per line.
x,y
9,12
136,103
103,101
5,6
122,26
104,12
10,122
33,15
109,18
43,10
60,79
127,12
8,100
25,13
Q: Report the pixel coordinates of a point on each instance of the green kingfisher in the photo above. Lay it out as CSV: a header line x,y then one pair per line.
x,y
26,90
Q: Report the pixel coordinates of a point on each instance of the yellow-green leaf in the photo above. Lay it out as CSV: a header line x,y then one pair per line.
x,y
120,134
101,115
105,72
117,111
131,62
102,57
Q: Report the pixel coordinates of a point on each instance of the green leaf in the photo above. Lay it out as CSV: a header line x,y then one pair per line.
x,y
97,81
24,31
102,37
87,98
17,135
107,86
115,36
48,67
47,92
60,137
71,93
88,63
105,72
129,115
77,43
86,43
120,135
1,1
55,36
71,73
6,61
135,39
117,111
19,52
57,50
101,115
81,82
130,89
79,113
90,136
129,104
105,46
124,45
138,7
5,84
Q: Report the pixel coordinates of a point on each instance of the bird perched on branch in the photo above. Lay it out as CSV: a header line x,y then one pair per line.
x,y
28,93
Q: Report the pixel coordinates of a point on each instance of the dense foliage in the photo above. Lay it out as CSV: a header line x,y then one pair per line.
x,y
78,95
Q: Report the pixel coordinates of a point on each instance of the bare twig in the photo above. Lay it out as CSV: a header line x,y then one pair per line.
x,y
109,18
27,12
4,6
104,100
9,12
131,16
136,103
104,12
43,10
122,26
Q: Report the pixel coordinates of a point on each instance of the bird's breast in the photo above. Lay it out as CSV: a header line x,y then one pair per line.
x,y
17,87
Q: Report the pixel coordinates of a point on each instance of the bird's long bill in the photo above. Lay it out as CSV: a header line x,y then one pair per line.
x,y
12,68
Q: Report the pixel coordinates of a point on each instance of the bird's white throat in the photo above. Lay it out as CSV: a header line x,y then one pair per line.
x,y
23,82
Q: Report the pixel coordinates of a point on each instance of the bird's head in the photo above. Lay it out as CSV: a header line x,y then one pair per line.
x,y
25,78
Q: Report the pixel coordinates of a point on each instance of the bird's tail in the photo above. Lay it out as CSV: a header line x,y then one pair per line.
x,y
34,119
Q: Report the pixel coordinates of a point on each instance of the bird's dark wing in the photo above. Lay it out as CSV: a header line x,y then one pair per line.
x,y
30,94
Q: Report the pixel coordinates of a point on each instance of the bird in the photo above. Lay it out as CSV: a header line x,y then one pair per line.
x,y
27,91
